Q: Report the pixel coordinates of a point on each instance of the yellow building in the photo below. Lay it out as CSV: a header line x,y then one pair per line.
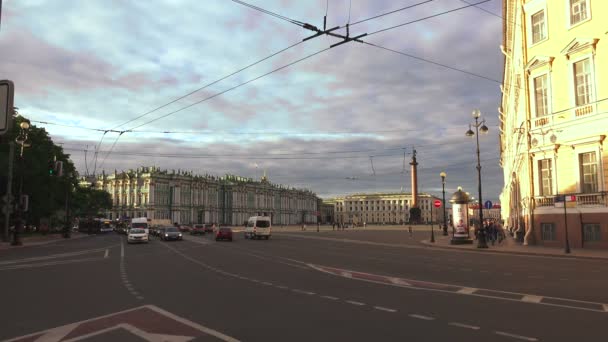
x,y
554,120
384,208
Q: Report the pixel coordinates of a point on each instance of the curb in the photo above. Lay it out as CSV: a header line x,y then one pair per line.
x,y
7,246
493,251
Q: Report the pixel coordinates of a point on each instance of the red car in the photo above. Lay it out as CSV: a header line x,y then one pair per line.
x,y
184,228
198,229
223,233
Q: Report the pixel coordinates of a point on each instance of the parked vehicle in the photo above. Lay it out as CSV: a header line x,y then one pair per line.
x,y
224,233
160,231
137,235
209,228
171,233
198,229
184,228
258,227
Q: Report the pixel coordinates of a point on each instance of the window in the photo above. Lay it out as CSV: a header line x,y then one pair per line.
x,y
548,232
538,27
578,11
546,179
541,95
591,232
588,172
583,90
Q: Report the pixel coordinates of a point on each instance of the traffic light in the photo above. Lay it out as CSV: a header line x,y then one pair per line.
x,y
51,168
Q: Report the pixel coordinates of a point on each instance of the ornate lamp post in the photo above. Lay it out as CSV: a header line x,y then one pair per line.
x,y
479,126
22,141
445,225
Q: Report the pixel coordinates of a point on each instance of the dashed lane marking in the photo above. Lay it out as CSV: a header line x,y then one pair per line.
x,y
426,318
282,287
347,274
105,256
50,263
354,302
466,326
399,281
467,290
381,308
303,292
605,307
518,337
267,283
330,297
532,299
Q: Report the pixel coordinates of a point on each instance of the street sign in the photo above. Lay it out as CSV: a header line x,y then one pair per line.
x,y
437,203
488,205
7,91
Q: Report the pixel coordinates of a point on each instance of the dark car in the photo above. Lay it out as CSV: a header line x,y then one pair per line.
x,y
223,233
171,233
198,229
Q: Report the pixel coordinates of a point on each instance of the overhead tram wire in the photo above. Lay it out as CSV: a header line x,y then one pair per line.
x,y
428,17
230,89
391,12
276,15
212,83
111,149
485,10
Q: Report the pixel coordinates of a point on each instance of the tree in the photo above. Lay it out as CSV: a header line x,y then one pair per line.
x,y
46,192
90,202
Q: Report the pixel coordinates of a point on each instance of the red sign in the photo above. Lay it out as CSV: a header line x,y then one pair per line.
x,y
437,203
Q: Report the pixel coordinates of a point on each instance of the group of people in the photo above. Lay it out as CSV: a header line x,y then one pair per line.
x,y
493,231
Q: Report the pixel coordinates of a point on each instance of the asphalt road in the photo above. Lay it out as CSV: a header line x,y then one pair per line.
x,y
329,286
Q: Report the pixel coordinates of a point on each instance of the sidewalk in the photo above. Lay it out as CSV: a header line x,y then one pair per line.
x,y
509,246
329,228
40,240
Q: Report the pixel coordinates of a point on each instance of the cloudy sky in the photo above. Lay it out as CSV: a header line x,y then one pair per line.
x,y
338,122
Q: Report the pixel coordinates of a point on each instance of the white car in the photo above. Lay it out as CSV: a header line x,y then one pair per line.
x,y
258,227
137,235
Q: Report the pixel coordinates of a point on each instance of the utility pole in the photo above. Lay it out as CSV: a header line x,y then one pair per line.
x,y
9,190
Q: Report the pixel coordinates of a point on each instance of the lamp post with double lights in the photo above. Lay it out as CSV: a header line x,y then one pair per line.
x,y
23,142
445,225
480,126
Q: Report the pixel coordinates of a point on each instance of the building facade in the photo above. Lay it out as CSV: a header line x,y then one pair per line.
x,y
384,208
327,214
185,198
554,121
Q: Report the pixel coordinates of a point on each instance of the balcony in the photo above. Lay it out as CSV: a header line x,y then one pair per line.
x,y
566,115
582,200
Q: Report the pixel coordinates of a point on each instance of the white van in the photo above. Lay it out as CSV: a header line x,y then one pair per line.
x,y
258,227
140,222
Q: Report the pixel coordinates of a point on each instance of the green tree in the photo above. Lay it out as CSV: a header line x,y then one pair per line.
x,y
46,192
90,202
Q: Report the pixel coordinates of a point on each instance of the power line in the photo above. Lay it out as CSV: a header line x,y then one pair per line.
x,y
230,89
391,12
485,10
427,17
433,62
210,84
276,15
111,149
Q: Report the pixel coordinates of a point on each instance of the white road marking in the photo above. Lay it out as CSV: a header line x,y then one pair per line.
x,y
135,293
139,297
399,281
50,263
347,274
267,283
330,297
467,290
303,292
381,308
105,256
282,287
354,303
532,299
426,318
53,256
122,248
605,307
461,325
519,337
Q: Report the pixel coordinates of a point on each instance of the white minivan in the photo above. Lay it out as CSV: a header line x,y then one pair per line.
x,y
258,227
140,222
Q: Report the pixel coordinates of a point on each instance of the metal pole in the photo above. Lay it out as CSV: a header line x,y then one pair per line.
x,y
567,247
481,240
432,226
19,223
67,210
9,191
445,224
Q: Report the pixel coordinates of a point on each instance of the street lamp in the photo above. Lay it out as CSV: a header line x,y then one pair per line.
x,y
445,225
21,139
479,126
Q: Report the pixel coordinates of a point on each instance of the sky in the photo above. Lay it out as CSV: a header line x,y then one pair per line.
x,y
344,120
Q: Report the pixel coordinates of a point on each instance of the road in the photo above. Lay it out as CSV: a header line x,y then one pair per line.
x,y
297,286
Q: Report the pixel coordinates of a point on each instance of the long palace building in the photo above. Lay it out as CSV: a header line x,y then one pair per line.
x,y
185,198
